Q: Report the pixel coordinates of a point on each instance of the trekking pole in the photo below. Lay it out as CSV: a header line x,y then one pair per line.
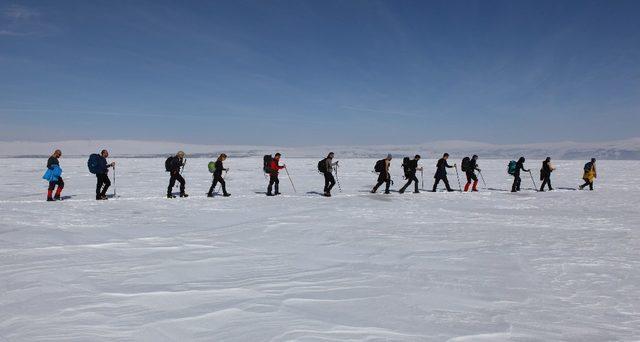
x,y
338,179
422,177
533,181
114,182
458,176
482,177
294,187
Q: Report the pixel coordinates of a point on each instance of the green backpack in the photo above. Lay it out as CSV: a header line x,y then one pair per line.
x,y
212,166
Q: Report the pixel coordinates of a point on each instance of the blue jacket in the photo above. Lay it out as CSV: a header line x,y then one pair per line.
x,y
102,167
52,174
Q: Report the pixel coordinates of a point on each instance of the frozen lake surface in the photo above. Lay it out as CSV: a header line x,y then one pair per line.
x,y
488,266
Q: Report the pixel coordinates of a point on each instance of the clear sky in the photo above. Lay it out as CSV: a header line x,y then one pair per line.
x,y
320,72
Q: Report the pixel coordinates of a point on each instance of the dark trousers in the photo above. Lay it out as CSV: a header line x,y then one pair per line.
x,y
273,181
59,183
175,176
52,185
446,183
383,178
103,180
329,181
587,182
218,179
411,178
516,183
546,181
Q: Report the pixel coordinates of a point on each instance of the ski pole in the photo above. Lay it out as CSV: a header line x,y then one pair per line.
x,y
294,187
533,181
338,179
422,177
482,177
114,182
458,176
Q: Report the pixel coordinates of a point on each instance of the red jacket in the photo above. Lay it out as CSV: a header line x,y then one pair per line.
x,y
275,167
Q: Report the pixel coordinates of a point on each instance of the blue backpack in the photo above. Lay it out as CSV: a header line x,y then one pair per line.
x,y
511,169
92,163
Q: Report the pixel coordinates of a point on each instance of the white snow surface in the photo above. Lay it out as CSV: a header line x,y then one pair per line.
x,y
487,266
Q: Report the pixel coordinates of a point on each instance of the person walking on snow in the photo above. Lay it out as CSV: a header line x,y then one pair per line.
x,y
410,173
217,177
326,166
274,169
470,171
589,174
382,167
441,173
516,175
54,176
103,181
545,174
175,163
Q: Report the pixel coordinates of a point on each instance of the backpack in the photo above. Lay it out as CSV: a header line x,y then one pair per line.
x,y
212,166
406,166
92,163
266,163
168,164
379,167
322,165
464,166
511,169
587,167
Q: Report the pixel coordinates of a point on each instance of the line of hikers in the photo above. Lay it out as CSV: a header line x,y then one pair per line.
x,y
98,165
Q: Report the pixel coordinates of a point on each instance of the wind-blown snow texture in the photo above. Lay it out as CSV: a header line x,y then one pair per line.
x,y
491,266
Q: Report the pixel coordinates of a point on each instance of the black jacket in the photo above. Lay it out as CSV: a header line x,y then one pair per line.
x,y
546,169
520,166
441,171
102,167
52,161
219,169
175,165
411,167
472,166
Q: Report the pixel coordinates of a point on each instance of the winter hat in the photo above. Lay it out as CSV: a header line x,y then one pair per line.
x,y
180,154
389,156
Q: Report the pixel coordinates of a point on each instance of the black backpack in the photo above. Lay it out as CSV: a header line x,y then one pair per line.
x,y
266,163
406,166
168,164
465,164
92,163
587,167
322,165
379,167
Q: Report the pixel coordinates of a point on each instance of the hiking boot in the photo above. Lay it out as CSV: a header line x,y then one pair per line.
x,y
277,193
50,199
57,198
387,192
226,194
474,190
581,187
401,191
170,196
416,192
270,194
327,194
184,195
209,195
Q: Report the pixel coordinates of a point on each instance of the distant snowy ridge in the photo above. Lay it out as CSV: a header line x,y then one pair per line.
x,y
628,149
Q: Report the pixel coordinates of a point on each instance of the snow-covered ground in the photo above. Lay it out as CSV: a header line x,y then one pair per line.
x,y
489,266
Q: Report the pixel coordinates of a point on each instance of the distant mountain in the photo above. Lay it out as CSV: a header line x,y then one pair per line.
x,y
623,149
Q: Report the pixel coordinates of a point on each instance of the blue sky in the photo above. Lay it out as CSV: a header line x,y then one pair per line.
x,y
320,72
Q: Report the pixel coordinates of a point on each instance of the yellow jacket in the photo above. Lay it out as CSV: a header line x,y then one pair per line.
x,y
591,174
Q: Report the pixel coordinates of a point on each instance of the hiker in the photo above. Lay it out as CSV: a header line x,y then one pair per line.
x,y
173,164
54,176
516,175
102,170
589,174
273,168
545,173
217,177
382,167
325,166
441,173
410,168
469,167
